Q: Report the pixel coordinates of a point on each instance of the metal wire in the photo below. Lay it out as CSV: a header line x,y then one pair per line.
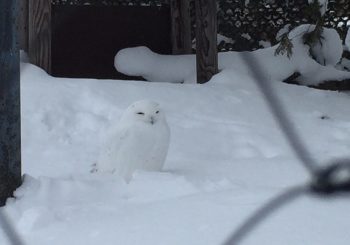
x,y
278,113
259,215
321,183
8,228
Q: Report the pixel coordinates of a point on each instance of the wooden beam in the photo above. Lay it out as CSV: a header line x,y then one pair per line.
x,y
23,24
181,26
10,124
206,40
39,25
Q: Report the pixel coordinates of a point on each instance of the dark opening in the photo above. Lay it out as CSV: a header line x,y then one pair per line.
x,y
85,39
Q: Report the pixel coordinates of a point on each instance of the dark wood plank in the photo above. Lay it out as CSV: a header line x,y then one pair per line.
x,y
10,125
206,40
23,24
181,26
40,33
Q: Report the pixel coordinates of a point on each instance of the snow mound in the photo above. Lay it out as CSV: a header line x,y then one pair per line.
x,y
328,50
141,61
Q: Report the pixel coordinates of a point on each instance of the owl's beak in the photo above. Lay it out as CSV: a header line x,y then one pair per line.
x,y
152,120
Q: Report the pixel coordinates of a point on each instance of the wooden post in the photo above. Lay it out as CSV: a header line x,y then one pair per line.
x,y
10,124
23,25
39,25
181,26
206,39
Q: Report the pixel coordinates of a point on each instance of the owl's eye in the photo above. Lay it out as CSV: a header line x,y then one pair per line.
x,y
140,113
157,112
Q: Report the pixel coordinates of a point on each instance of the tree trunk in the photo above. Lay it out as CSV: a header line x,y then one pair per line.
x,y
206,40
10,124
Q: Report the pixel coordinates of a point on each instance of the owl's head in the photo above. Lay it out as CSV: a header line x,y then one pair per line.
x,y
144,111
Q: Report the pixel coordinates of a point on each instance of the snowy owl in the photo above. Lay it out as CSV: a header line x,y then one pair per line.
x,y
139,141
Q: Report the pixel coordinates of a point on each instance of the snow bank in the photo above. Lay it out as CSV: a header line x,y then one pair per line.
x,y
141,61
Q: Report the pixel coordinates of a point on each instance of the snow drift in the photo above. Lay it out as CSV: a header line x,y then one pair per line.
x,y
141,61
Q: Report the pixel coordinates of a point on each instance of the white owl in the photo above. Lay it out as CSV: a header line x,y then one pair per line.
x,y
139,141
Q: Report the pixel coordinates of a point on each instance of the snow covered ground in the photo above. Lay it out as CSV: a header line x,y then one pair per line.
x,y
227,157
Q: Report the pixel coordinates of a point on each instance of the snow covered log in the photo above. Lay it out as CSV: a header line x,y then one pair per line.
x,y
141,61
314,71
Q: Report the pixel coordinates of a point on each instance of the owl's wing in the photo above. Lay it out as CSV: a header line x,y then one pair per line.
x,y
111,149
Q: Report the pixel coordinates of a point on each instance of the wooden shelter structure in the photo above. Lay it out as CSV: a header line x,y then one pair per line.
x,y
77,38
